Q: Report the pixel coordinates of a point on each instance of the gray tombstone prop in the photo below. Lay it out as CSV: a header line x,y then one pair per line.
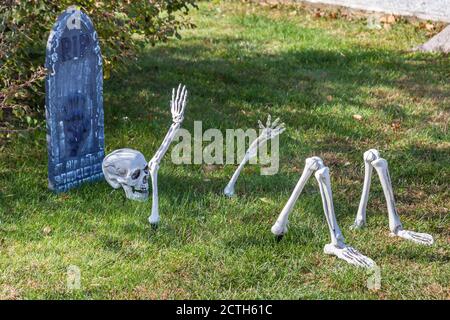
x,y
74,102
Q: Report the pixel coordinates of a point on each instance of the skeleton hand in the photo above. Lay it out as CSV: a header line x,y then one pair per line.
x,y
271,130
178,104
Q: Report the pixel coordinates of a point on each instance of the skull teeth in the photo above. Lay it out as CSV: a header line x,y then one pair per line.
x,y
142,190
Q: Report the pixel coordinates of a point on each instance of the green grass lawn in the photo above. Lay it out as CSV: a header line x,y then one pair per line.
x,y
241,63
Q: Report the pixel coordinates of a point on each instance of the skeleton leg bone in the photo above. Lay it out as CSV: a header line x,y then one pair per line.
x,y
337,246
280,227
372,159
369,156
323,178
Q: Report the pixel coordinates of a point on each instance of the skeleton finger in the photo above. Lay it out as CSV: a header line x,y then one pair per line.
x,y
280,126
260,125
183,104
274,124
172,102
178,96
268,121
277,132
180,99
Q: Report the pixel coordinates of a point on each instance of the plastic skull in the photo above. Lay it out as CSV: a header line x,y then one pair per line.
x,y
127,168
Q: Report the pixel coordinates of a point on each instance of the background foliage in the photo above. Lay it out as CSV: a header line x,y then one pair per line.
x,y
123,27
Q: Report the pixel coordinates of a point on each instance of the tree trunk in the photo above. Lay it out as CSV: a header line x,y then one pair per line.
x,y
440,42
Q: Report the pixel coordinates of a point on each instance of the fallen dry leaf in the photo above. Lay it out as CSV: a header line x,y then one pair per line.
x,y
265,200
47,230
396,125
9,293
209,168
64,196
390,19
319,14
429,26
357,117
296,169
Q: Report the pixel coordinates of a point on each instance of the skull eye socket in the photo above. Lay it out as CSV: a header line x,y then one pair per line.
x,y
136,174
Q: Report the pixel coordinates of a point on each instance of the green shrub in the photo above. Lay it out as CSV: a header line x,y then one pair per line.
x,y
123,28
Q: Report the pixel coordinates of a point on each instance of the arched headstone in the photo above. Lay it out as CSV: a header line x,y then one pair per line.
x,y
74,102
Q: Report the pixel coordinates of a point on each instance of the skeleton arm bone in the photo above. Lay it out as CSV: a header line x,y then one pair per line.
x,y
268,132
250,153
154,167
229,189
177,105
165,144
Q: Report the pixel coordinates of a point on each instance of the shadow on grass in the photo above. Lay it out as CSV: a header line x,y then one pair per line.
x,y
303,77
237,90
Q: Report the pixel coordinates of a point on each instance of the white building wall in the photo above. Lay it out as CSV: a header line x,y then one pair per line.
x,y
436,10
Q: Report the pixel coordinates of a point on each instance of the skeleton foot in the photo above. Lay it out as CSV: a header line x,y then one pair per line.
x,y
421,238
372,160
337,246
349,254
